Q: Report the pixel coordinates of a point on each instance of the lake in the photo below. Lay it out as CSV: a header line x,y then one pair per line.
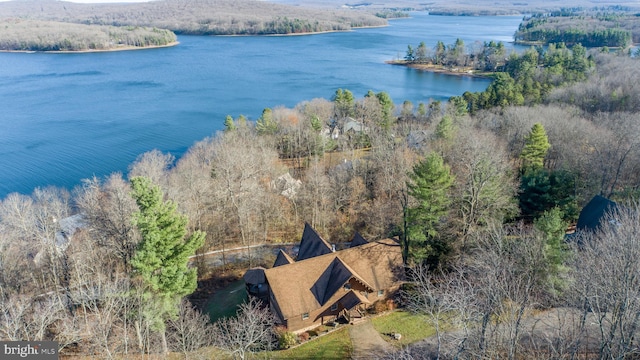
x,y
65,117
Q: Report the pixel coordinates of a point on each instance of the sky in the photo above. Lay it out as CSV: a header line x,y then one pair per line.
x,y
99,1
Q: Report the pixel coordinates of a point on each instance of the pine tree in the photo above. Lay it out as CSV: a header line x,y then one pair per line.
x,y
535,149
553,227
344,103
387,109
266,125
229,125
409,56
429,185
445,128
163,253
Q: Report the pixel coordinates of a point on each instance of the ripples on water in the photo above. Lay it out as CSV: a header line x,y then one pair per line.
x,y
66,117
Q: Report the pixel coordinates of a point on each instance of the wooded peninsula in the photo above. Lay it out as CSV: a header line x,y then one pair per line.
x,y
71,26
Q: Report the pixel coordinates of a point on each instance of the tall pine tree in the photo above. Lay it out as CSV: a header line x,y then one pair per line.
x,y
162,255
535,149
428,185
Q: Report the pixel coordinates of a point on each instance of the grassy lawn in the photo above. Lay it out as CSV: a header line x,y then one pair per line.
x,y
336,345
225,301
411,327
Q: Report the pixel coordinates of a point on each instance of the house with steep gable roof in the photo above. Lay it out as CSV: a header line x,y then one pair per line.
x,y
324,286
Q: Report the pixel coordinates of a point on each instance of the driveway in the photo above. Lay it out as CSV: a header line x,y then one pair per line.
x,y
367,342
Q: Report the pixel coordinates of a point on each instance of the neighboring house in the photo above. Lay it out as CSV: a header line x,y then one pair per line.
x,y
324,285
594,213
67,228
353,126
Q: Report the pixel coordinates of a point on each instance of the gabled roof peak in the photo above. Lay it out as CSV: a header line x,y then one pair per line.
x,y
358,240
283,259
312,244
333,278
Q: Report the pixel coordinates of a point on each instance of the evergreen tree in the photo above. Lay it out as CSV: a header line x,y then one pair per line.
x,y
421,53
409,56
344,103
422,110
542,190
265,124
316,124
161,259
445,128
429,185
459,105
535,149
440,50
387,109
229,125
553,227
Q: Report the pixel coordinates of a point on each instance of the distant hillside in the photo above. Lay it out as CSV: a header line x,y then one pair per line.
x,y
197,17
38,35
466,7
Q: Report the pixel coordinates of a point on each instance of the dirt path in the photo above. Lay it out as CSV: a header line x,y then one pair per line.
x,y
367,342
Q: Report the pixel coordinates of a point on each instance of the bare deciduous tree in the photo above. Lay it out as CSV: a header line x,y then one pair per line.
x,y
190,331
250,331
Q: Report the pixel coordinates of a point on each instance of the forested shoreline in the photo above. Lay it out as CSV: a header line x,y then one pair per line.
x,y
34,35
590,28
205,17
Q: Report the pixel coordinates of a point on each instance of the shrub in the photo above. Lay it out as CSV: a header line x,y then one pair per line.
x,y
304,336
286,339
312,333
378,307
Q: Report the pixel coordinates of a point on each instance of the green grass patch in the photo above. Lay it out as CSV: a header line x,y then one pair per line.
x,y
412,327
336,345
224,302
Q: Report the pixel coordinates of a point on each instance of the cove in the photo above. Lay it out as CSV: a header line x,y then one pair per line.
x,y
66,117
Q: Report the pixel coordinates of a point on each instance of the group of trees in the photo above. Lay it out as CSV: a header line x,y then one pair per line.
x,y
205,17
479,196
509,298
483,57
589,28
529,77
34,35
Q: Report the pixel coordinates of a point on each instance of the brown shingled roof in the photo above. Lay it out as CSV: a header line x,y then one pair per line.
x,y
306,285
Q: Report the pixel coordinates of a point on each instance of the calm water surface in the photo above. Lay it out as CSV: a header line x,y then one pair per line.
x,y
65,117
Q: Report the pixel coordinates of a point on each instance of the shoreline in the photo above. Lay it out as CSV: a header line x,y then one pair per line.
x,y
303,33
438,69
122,48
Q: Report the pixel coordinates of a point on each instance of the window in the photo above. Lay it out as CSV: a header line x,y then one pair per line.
x,y
380,293
347,286
305,316
334,307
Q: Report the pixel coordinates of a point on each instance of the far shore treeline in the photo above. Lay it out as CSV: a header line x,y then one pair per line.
x,y
34,35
